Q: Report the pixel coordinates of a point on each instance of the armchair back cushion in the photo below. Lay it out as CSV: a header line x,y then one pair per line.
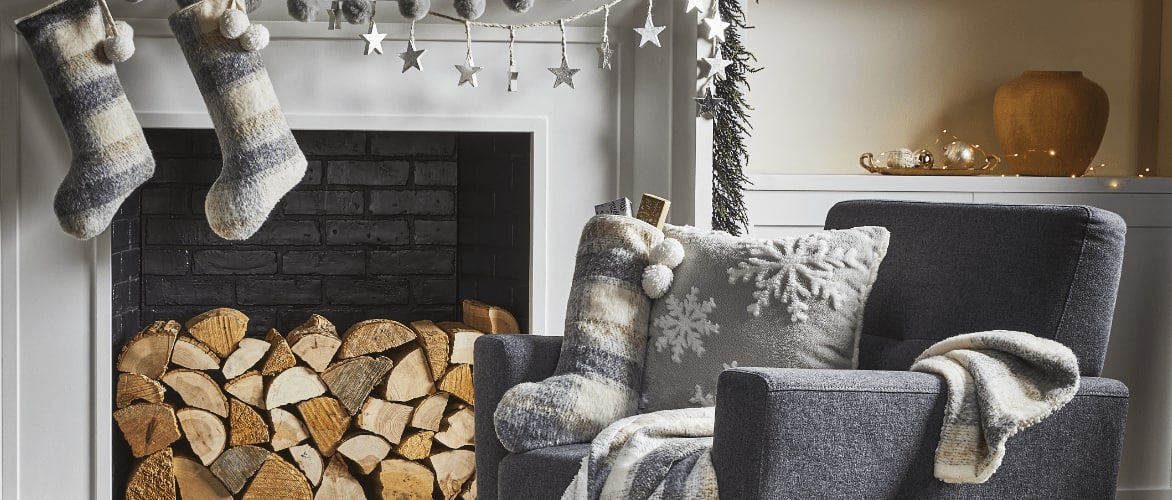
x,y
1049,270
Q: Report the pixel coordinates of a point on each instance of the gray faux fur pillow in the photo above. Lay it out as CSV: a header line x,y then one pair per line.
x,y
738,301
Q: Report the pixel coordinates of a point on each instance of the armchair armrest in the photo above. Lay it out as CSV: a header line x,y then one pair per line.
x,y
501,362
794,433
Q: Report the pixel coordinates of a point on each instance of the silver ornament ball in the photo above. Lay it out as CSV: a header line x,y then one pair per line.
x,y
958,154
925,159
901,158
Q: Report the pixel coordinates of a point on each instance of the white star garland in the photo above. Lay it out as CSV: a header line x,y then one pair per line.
x,y
649,32
411,56
564,73
469,69
374,39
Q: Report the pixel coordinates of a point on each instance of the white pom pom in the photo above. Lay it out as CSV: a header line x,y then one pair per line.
x,y
233,23
669,252
255,38
119,48
656,280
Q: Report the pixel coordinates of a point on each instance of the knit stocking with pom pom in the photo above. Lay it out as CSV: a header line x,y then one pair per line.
x,y
262,161
76,43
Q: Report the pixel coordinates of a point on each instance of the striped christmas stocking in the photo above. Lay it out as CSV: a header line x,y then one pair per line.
x,y
262,161
76,43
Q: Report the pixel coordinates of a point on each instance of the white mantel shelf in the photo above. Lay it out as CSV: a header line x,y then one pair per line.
x,y
977,183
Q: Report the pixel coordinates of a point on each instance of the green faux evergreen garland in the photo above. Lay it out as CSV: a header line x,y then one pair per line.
x,y
729,154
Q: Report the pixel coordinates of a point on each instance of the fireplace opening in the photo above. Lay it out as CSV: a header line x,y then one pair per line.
x,y
392,225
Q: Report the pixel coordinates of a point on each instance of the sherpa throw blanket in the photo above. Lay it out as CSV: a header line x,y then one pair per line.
x,y
999,383
659,455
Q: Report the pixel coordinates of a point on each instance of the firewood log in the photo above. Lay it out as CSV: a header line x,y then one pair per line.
x,y
245,425
384,418
326,420
338,484
196,482
221,329
278,479
247,354
309,460
147,427
149,352
193,354
416,445
249,387
469,492
462,337
205,433
352,380
374,336
153,478
280,356
458,429
134,387
435,346
287,429
237,465
400,479
458,382
315,342
489,319
197,389
452,470
429,412
365,450
293,385
410,377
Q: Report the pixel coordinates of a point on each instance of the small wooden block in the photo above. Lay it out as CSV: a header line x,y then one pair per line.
x,y
621,206
653,210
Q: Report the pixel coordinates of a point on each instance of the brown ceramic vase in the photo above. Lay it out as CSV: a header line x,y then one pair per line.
x,y
1050,123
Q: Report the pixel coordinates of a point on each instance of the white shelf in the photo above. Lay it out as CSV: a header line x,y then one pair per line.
x,y
962,184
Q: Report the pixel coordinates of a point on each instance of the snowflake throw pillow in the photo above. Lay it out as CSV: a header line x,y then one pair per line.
x,y
738,301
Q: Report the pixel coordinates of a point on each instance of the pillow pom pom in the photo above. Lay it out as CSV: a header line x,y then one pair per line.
x,y
119,48
469,9
414,9
669,252
233,23
256,38
303,10
657,279
519,5
357,11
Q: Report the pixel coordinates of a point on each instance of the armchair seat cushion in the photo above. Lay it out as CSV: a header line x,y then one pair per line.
x,y
541,473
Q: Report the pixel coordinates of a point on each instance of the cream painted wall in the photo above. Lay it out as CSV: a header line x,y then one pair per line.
x,y
843,77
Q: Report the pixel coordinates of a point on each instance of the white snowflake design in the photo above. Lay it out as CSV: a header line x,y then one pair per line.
x,y
685,325
702,399
796,272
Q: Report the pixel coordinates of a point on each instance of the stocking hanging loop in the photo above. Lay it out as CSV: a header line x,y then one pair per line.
x,y
108,19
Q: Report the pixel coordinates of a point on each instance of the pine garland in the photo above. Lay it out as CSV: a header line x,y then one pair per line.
x,y
729,154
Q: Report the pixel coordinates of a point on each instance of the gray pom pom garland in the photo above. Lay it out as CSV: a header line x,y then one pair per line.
x,y
119,48
469,9
303,10
255,38
251,5
519,5
233,23
357,11
414,9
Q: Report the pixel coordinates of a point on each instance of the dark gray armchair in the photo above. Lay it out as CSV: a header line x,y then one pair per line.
x,y
871,433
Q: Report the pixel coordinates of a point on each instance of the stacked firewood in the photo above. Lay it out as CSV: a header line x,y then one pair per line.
x,y
384,410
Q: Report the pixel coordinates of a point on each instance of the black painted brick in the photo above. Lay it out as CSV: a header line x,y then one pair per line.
x,y
198,197
312,173
323,203
201,171
279,291
367,173
331,142
163,261
125,264
478,261
205,143
364,292
362,232
478,203
234,262
186,291
163,141
174,231
436,291
323,262
412,262
173,201
431,144
435,232
400,202
273,232
435,173
514,144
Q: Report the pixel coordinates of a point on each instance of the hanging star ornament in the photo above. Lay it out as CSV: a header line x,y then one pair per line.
x,y
649,32
514,77
713,67
714,27
468,72
564,74
604,55
697,5
707,106
374,40
411,57
335,12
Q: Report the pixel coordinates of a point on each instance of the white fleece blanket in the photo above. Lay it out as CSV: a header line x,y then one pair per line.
x,y
999,383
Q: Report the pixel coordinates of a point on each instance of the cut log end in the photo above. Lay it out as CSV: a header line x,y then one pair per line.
x,y
147,427
153,478
405,480
149,352
374,336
